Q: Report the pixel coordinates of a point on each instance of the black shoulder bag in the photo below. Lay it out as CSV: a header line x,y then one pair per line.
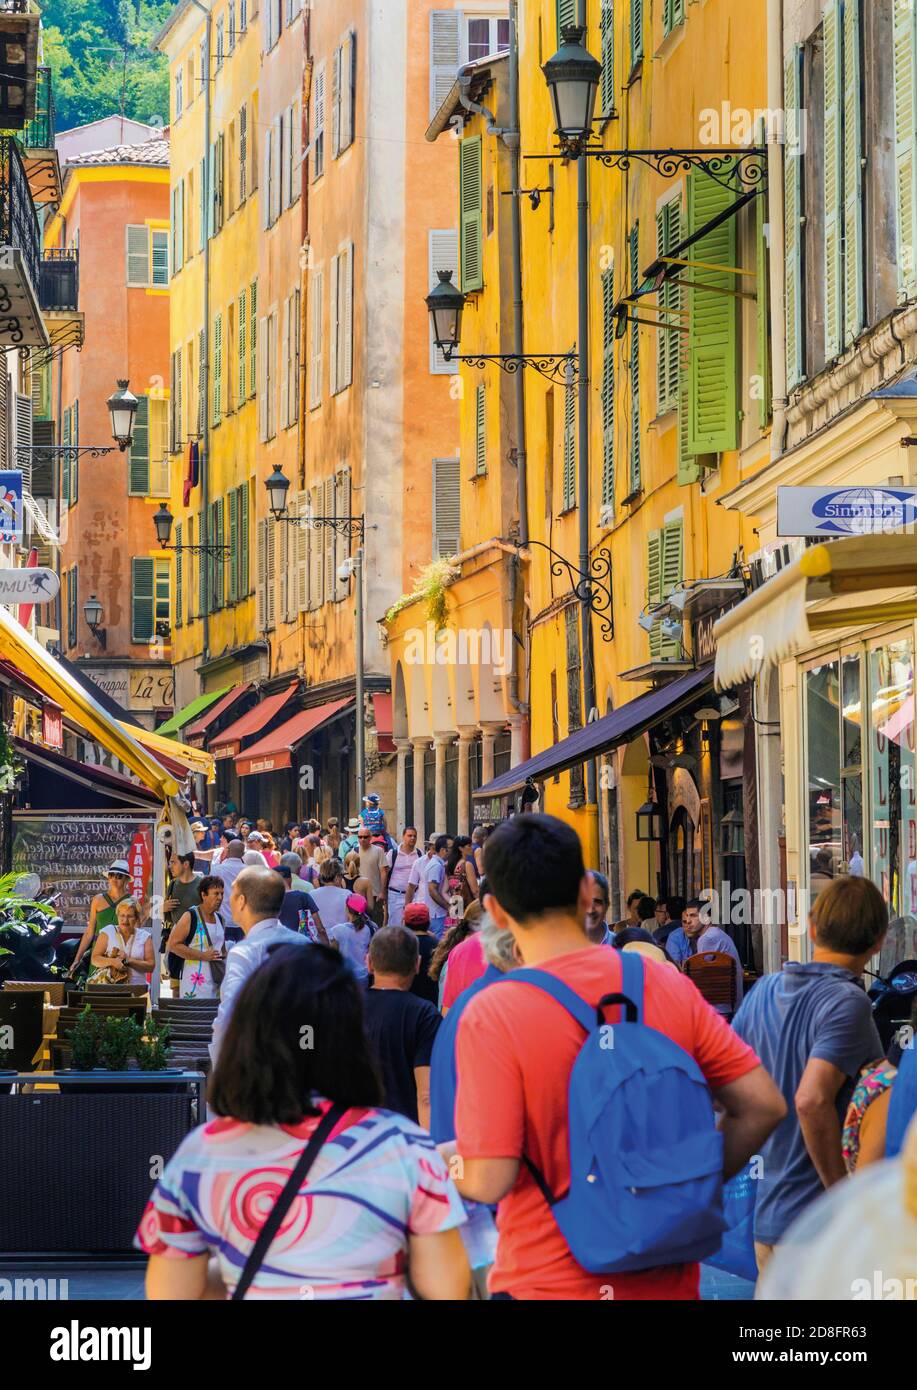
x,y
285,1200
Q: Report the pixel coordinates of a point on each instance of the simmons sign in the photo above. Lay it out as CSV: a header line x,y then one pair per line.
x,y
844,511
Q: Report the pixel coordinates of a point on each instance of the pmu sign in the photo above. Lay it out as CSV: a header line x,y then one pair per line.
x,y
844,511
26,585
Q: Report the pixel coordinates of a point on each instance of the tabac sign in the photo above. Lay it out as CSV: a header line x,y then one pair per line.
x,y
844,511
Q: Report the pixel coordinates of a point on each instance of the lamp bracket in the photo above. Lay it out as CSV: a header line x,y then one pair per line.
x,y
559,367
592,588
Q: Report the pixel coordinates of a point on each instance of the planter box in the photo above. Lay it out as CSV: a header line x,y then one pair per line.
x,y
84,1165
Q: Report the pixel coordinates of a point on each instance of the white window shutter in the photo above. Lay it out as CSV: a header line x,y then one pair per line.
x,y
285,366
316,345
302,554
854,307
266,181
834,187
345,362
287,580
335,327
336,103
329,549
445,54
263,384
296,154
262,575
342,505
906,147
443,255
446,508
138,255
271,540
316,566
295,339
318,112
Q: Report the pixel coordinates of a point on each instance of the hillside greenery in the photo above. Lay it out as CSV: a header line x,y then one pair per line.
x,y
96,47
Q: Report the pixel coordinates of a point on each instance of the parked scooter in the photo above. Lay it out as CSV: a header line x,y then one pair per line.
x,y
893,998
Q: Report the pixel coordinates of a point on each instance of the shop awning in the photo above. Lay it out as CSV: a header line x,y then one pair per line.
x,y
225,744
96,782
275,751
200,726
27,656
191,711
782,618
621,726
174,755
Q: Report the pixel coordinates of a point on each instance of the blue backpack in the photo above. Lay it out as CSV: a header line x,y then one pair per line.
x,y
646,1159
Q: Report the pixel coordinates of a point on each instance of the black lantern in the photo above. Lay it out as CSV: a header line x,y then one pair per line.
x,y
573,78
92,612
122,406
445,303
649,823
162,520
278,485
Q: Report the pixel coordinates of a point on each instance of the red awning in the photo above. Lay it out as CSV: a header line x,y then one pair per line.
x,y
275,750
200,726
252,722
382,706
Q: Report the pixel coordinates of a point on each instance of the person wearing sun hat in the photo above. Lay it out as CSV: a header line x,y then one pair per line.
x,y
350,841
103,910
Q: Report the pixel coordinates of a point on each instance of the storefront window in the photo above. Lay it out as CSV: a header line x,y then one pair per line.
x,y
852,764
823,745
894,815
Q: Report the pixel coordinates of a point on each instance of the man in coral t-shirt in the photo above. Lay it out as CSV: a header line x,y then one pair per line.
x,y
515,1050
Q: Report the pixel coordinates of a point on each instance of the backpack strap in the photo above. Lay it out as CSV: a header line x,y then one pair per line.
x,y
562,993
632,979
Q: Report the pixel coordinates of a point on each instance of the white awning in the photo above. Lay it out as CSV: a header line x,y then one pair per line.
x,y
784,617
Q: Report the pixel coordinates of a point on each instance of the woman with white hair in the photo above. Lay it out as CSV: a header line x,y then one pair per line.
x,y
123,951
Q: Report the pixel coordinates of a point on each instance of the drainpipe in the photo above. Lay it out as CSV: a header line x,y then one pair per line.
x,y
204,366
514,692
775,216
582,179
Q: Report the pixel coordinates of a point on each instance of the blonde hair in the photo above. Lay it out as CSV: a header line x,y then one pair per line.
x,y
352,864
321,854
132,905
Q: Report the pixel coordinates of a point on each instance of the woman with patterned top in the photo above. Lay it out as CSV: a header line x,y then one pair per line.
x,y
378,1207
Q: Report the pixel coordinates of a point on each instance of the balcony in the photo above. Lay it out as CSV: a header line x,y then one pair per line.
x,y
36,143
18,63
21,323
59,297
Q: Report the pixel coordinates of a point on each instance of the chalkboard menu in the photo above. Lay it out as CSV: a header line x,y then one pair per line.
x,y
71,853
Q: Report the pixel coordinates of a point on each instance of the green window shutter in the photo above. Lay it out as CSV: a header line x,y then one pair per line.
x,y
906,145
762,270
244,579
608,389
566,14
480,430
569,488
243,360
636,32
471,255
672,557
834,187
232,503
664,573
159,256
668,345
218,369
218,584
179,576
75,465
201,383
854,298
253,338
634,268
793,205
607,30
141,599
66,461
713,407
139,454
202,585
653,568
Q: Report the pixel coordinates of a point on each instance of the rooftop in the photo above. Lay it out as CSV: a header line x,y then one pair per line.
x,y
154,152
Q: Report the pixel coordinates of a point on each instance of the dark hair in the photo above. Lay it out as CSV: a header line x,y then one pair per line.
x,y
646,907
440,843
284,871
409,827
850,916
329,870
264,1074
633,897
697,903
453,937
602,882
534,865
186,859
393,951
210,881
628,934
675,907
454,857
483,888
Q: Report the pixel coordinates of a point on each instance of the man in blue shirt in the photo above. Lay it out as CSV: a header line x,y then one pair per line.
x,y
812,1027
695,935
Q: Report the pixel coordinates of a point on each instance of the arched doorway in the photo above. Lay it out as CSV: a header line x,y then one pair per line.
x,y
681,854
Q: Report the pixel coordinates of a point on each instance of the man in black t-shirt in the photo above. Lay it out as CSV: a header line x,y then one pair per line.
x,y
401,1028
417,917
296,905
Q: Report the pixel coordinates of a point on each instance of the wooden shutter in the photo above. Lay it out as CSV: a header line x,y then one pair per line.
x,y
569,478
160,473
220,179
243,152
263,384
244,541
179,577
271,542
762,308
349,92
834,187
445,55
446,507
607,29
636,32
318,121
262,575
342,508
242,359
218,369
295,338
139,452
635,440
443,255
334,325
713,410
316,566
793,211
316,344
906,146
345,289
327,505
286,579
336,103
138,255
672,557
141,598
301,510
654,568
480,430
296,152
854,299
253,338
668,235
66,461
203,203
232,503
566,14
41,391
285,366
203,571
470,213
217,537
608,390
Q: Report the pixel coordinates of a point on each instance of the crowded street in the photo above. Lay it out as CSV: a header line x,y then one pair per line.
x,y
458,609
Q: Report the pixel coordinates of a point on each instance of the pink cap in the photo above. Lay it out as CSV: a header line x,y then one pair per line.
x,y
357,903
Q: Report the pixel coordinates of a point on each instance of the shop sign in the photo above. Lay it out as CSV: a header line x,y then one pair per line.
x,y
226,750
11,509
139,689
489,810
28,585
271,762
844,511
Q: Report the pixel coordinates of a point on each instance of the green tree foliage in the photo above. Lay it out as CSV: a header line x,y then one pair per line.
x,y
96,48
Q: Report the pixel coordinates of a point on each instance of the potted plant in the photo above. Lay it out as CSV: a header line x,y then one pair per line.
x,y
151,1048
117,1042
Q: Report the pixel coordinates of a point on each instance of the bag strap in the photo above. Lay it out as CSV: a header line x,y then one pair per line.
x,y
562,993
285,1200
633,977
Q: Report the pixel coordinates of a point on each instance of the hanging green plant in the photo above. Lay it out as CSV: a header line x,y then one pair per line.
x,y
10,762
430,587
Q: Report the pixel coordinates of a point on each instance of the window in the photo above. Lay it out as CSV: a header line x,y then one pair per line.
x,y
151,585
636,32
147,251
220,42
294,8
567,13
217,150
445,55
72,606
175,399
480,431
188,94
443,255
713,324
665,572
253,338
608,394
318,122
272,20
217,559
188,218
229,348
217,415
179,576
485,35
243,356
634,272
342,320
569,454
289,388
673,14
295,152
70,468
446,508
231,14
267,385
232,525
243,154
201,383
607,30
470,213
316,337
148,461
178,87
203,204
668,236
243,16
343,87
267,529
574,696
178,227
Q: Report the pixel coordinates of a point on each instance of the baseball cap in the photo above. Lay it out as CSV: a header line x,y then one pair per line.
x,y
284,870
372,798
119,866
416,915
357,903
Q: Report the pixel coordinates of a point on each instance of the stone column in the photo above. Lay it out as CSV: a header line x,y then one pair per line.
x,y
402,745
420,747
467,735
518,740
489,733
440,743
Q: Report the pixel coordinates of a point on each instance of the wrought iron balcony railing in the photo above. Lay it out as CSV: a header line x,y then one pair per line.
x,y
59,282
18,223
39,132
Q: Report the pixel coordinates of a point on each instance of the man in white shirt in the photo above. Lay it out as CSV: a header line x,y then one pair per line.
x,y
331,897
227,871
401,863
431,887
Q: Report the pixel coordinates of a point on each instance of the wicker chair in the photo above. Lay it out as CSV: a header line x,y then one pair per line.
x,y
53,989
714,974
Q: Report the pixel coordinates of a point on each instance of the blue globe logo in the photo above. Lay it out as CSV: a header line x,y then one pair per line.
x,y
863,511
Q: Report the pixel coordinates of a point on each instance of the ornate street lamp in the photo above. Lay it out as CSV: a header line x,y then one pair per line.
x,y
445,303
122,406
163,520
92,612
573,78
278,486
